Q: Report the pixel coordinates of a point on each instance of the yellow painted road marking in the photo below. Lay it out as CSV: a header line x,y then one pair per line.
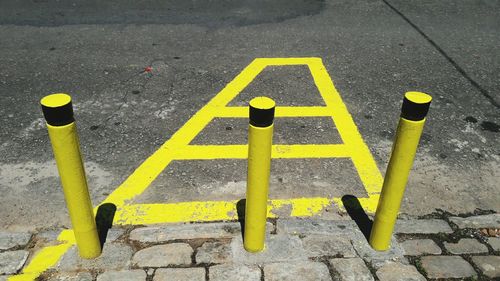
x,y
281,111
204,152
178,148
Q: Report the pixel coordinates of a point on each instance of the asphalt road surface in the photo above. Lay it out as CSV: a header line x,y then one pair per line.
x,y
138,70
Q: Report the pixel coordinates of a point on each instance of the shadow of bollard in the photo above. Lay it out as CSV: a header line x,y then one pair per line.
x,y
356,212
240,209
104,220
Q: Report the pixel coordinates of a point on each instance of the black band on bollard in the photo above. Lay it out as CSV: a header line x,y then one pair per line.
x,y
415,106
57,109
261,112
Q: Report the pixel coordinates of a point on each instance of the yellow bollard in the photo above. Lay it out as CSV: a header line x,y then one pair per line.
x,y
58,112
415,108
260,139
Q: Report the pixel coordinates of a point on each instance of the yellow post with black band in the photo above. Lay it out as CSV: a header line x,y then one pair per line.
x,y
58,112
411,124
260,138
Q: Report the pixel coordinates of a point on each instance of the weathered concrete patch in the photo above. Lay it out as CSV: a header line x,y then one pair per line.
x,y
156,234
37,184
466,246
375,258
299,271
278,248
353,269
81,276
419,247
489,265
163,255
11,262
399,272
447,267
180,274
129,275
49,236
214,252
328,245
234,272
13,239
310,226
115,256
483,221
427,226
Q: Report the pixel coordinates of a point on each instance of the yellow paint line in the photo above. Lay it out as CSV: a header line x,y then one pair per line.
x,y
281,111
287,61
205,152
24,277
176,212
301,207
141,178
205,211
44,259
362,159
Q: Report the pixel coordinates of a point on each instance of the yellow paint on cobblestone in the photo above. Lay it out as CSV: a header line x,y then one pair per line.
x,y
46,258
178,148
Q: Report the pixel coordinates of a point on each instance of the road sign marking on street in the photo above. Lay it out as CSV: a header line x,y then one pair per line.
x,y
178,148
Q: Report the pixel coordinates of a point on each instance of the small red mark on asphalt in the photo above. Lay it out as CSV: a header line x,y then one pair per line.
x,y
148,69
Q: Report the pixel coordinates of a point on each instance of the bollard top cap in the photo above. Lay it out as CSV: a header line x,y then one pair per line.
x,y
57,109
415,106
55,100
262,111
418,97
262,103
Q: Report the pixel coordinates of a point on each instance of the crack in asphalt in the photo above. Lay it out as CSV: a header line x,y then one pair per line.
x,y
476,85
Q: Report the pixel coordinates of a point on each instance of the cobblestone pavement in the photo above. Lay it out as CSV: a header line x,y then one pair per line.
x,y
440,246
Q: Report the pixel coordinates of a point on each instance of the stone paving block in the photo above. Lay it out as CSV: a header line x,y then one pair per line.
x,y
375,258
315,226
494,243
328,245
447,267
114,234
180,274
278,248
424,226
234,272
115,256
65,276
214,252
123,275
399,272
484,221
466,246
297,271
489,265
164,255
12,261
419,247
13,239
351,269
165,233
